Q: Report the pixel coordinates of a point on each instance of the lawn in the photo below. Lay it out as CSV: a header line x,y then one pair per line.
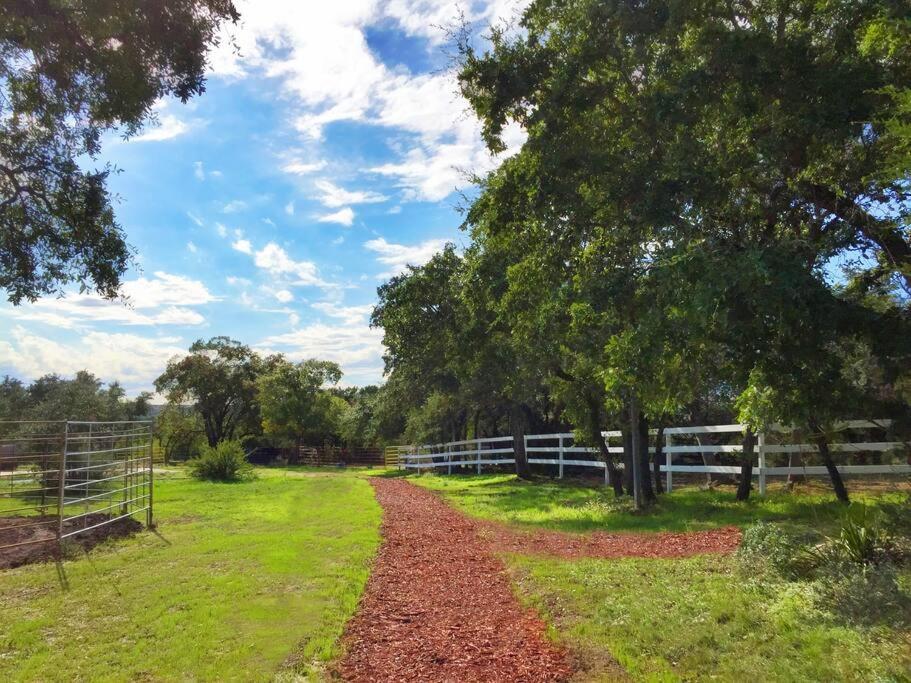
x,y
575,507
243,581
700,619
705,617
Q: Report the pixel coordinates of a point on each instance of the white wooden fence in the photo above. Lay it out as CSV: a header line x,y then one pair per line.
x,y
560,450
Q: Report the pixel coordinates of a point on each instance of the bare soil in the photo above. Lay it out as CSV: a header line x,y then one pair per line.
x,y
24,540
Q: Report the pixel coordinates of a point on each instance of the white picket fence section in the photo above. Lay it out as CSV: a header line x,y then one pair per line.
x,y
559,450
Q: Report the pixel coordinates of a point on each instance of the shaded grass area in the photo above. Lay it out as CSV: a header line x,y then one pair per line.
x,y
241,582
576,507
699,618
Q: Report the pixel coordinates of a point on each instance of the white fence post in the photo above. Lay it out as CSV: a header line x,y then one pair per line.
x,y
668,463
760,440
449,460
478,452
560,456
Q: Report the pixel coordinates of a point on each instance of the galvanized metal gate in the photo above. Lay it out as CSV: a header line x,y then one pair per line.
x,y
61,479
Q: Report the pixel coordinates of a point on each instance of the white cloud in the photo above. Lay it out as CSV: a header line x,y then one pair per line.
x,y
333,196
164,299
131,359
397,257
285,40
356,347
339,240
196,219
222,230
342,217
350,315
234,206
275,260
297,167
237,281
242,246
198,170
192,248
168,128
166,288
289,208
284,296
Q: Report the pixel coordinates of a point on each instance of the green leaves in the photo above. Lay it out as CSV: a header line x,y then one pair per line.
x,y
70,72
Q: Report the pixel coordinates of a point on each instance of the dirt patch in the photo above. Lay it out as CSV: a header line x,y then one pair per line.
x,y
34,539
610,546
438,605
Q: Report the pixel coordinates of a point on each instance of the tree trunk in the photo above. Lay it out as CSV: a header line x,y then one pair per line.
x,y
708,459
634,451
594,435
838,485
659,458
645,472
517,427
627,439
746,465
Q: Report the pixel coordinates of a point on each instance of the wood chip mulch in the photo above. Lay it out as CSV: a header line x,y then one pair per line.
x,y
438,605
611,545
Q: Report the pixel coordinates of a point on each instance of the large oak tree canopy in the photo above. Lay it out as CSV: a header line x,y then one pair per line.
x,y
776,119
69,71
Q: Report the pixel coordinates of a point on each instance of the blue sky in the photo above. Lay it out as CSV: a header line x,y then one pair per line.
x,y
324,157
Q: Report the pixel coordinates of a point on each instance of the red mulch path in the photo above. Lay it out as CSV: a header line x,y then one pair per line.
x,y
603,545
438,605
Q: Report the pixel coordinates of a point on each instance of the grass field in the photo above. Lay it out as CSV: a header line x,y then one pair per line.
x,y
692,619
241,582
571,506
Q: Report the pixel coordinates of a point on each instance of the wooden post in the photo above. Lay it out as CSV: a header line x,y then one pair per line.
x,y
560,475
760,440
669,463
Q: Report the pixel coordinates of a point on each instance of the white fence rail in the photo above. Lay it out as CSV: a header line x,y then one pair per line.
x,y
560,450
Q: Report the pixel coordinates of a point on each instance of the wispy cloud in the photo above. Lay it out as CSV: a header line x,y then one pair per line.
x,y
397,257
342,217
334,196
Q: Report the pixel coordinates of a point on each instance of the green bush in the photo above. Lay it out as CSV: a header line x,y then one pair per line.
x,y
772,547
225,462
862,541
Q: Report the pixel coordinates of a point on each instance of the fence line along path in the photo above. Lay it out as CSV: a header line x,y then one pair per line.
x,y
866,439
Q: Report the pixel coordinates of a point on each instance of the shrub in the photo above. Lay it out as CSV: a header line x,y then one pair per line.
x,y
862,541
225,462
773,547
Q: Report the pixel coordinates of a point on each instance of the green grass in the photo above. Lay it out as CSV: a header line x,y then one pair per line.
x,y
699,618
242,582
690,619
571,506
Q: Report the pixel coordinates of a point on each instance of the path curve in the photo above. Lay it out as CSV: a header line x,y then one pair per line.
x,y
438,605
